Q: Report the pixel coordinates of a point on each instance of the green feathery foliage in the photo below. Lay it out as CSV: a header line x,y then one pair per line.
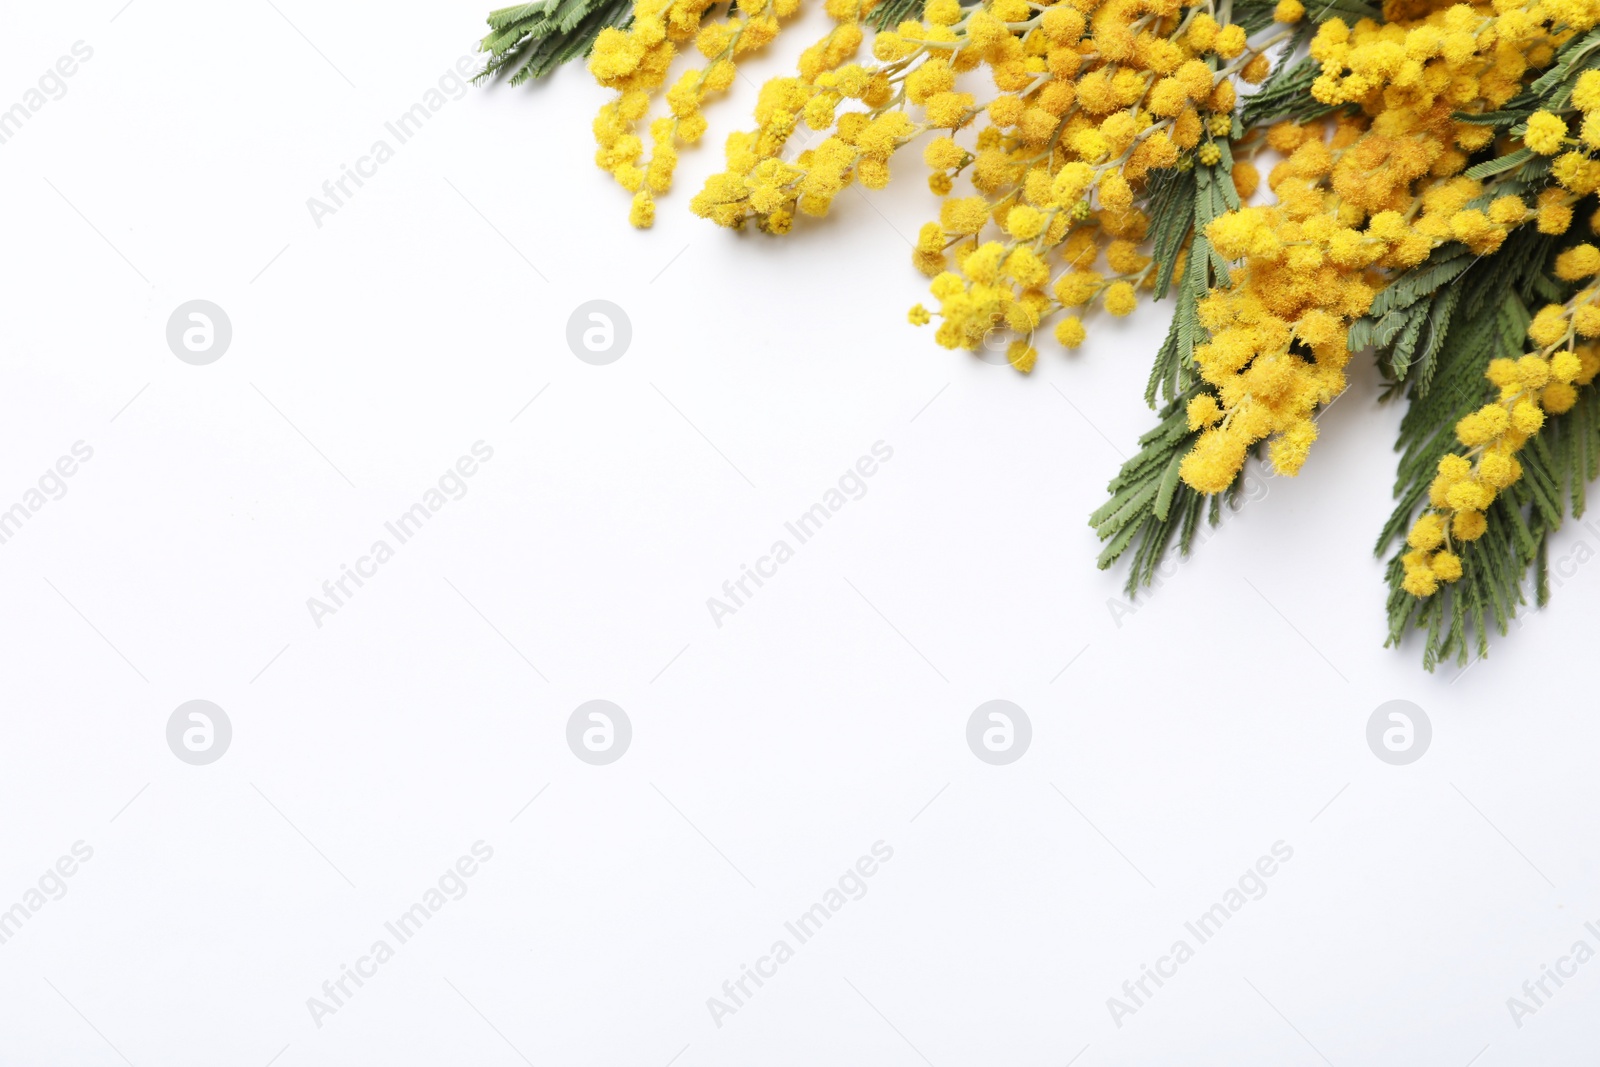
x,y
891,13
531,40
1149,503
1285,96
1182,204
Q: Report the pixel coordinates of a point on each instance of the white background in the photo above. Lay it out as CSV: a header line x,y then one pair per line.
x,y
368,354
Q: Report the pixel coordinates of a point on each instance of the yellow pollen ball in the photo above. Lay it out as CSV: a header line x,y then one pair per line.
x,y
1070,332
1526,417
1468,525
1586,93
1558,398
1203,411
1447,566
1546,133
1230,42
1578,262
1428,533
1022,356
1565,366
1120,299
1420,582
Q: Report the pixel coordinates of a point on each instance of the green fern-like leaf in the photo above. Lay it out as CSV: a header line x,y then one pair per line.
x,y
530,40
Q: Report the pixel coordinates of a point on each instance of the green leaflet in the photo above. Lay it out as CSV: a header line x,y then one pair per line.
x,y
1150,505
1146,480
890,13
531,40
1285,95
1171,371
1215,196
1500,164
1184,203
1171,218
1410,320
1444,265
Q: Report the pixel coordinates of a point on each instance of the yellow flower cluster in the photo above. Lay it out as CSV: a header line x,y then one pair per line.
x,y
1356,208
1541,383
636,62
1091,96
1464,57
853,144
1573,169
1279,333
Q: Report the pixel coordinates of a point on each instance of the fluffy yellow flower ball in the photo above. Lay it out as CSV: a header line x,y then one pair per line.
x,y
1428,533
1070,332
1120,299
1468,525
1546,133
1578,262
1586,93
1447,566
